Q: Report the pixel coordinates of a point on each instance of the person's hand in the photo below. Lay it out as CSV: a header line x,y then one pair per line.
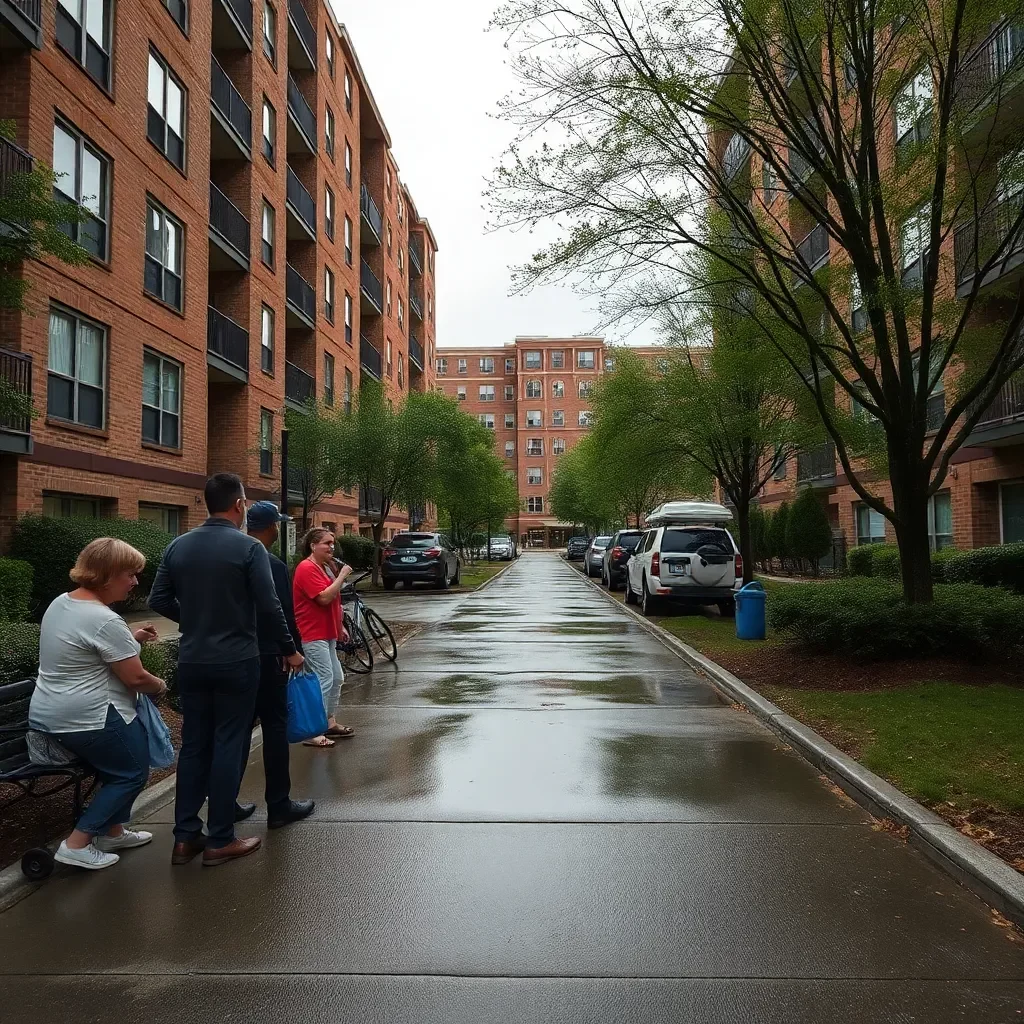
x,y
295,661
146,634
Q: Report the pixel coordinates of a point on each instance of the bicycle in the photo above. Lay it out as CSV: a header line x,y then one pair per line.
x,y
362,644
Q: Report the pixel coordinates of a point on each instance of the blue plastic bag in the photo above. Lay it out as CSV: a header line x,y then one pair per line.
x,y
307,716
161,749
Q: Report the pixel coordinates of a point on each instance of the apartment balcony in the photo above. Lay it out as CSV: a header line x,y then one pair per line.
x,y
301,210
16,431
370,359
817,468
300,300
1002,422
299,387
737,155
231,118
993,230
416,353
21,24
301,38
814,248
227,348
416,305
415,257
370,501
302,136
232,25
229,233
14,161
371,291
993,70
370,218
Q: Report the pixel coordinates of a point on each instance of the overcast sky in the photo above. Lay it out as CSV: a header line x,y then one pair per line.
x,y
437,76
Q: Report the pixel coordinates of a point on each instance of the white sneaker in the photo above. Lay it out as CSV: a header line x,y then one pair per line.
x,y
88,857
125,841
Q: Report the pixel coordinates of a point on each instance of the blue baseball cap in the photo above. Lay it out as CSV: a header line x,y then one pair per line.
x,y
263,514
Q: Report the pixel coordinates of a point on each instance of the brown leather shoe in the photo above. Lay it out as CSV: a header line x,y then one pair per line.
x,y
234,850
185,852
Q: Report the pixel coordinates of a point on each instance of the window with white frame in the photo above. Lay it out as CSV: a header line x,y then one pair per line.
x,y
463,366
401,371
269,131
510,420
329,212
609,364
915,233
534,418
510,449
510,393
329,294
533,389
535,477
267,340
270,32
557,359
535,505
486,392
460,393
401,261
348,393
858,311
348,164
164,257
329,53
76,369
161,400
586,418
487,364
558,446
558,389
165,118
348,240
535,446
585,388
558,418
267,234
442,367
329,131
586,359
82,177
914,110
510,365
83,29
348,318
940,521
266,441
389,365
348,91
532,360
486,420
401,312
870,525
328,379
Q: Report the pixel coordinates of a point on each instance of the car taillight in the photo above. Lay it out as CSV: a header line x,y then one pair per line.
x,y
432,552
739,566
656,564
617,552
388,552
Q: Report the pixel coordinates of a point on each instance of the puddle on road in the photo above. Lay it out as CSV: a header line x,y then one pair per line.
x,y
459,689
478,689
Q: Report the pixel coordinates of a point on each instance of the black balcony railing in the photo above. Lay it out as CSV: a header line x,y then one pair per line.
x,y
16,369
370,500
997,229
303,27
303,113
242,10
302,202
13,160
300,293
370,358
368,208
228,221
1006,407
299,386
1000,54
229,103
371,285
416,304
415,352
737,152
415,256
817,464
814,247
227,339
32,9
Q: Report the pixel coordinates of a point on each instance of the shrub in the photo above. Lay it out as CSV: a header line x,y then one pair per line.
x,y
19,651
940,565
15,589
758,539
779,531
885,561
868,619
1001,566
52,547
808,533
354,550
859,560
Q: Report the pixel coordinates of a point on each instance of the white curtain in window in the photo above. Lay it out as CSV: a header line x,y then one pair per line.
x,y
156,85
90,354
154,234
65,157
175,108
62,342
171,388
151,381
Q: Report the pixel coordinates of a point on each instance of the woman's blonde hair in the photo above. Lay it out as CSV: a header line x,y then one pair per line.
x,y
312,537
103,559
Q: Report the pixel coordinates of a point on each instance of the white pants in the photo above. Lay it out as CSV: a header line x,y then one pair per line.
x,y
322,658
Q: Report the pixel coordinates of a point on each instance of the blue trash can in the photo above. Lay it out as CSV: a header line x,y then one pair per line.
x,y
750,619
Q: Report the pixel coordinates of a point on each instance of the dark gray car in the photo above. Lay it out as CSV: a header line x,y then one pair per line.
x,y
420,558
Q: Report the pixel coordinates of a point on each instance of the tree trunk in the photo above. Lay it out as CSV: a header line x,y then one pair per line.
x,y
378,530
910,503
746,547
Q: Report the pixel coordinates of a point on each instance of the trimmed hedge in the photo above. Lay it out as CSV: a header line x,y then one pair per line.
x,y
19,651
15,589
52,546
354,550
868,619
1001,566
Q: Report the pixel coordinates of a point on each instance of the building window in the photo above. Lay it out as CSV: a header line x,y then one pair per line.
x,y
535,505
558,418
168,518
557,360
585,360
76,377
535,477
387,297
348,392
328,379
270,32
858,312
769,183
585,388
390,237
329,53
534,418
533,389
266,441
870,525
558,446
387,181
83,31
557,389
329,131
486,392
442,367
460,393
161,400
348,240
329,212
401,210
535,446
586,418
915,234
510,421
1011,513
168,100
609,364
269,130
70,506
401,313
82,177
268,234
510,366
510,449
164,257
532,360
348,318
914,111
401,371
486,420
487,365
940,521
389,363
267,340
510,393
348,165
348,91
329,294
401,261
462,366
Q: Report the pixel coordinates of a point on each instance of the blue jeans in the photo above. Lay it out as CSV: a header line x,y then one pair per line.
x,y
218,703
119,752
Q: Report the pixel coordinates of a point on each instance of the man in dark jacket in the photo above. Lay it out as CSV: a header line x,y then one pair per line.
x,y
211,581
272,699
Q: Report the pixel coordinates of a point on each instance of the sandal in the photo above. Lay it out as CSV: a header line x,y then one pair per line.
x,y
319,741
341,732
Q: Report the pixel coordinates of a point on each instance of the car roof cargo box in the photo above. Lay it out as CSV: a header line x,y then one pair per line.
x,y
689,513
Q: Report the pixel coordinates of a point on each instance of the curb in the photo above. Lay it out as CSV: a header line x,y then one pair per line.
x,y
980,870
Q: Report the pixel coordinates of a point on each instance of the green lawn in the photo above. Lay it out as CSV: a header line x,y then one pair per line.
x,y
480,572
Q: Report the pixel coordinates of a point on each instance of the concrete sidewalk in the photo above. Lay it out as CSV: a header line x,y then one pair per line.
x,y
545,816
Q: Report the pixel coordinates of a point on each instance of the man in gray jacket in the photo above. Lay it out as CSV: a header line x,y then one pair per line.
x,y
211,581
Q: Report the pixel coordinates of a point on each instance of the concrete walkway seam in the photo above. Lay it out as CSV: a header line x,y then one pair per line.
x,y
980,870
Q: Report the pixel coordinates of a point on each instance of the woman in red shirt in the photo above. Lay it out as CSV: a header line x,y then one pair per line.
x,y
316,589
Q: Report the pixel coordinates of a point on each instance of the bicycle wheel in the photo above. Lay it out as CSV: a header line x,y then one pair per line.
x,y
380,635
356,655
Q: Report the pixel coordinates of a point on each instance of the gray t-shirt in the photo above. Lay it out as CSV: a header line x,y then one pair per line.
x,y
78,641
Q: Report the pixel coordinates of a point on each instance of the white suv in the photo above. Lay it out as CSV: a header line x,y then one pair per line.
x,y
686,554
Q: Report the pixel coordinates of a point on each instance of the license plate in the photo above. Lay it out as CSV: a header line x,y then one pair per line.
x,y
676,569
409,558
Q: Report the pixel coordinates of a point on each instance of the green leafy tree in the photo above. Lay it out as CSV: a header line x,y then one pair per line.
x,y
808,532
638,120
779,537
759,524
575,495
315,466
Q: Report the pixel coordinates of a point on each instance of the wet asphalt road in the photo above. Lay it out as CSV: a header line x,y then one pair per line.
x,y
545,816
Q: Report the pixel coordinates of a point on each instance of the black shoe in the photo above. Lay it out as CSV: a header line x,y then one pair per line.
x,y
243,811
294,810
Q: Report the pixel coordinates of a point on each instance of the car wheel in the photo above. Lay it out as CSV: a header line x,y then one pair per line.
x,y
458,573
648,604
444,582
630,596
728,608
389,584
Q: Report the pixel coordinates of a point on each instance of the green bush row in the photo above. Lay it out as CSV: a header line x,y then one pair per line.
x,y
15,589
999,566
868,619
354,550
19,651
52,546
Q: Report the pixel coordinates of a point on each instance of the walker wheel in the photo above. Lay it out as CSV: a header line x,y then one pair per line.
x,y
37,865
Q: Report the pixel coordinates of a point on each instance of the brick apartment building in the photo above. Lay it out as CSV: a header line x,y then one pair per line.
x,y
534,393
253,247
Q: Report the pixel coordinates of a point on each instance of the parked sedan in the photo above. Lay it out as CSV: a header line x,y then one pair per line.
x,y
420,558
502,549
593,560
577,548
618,552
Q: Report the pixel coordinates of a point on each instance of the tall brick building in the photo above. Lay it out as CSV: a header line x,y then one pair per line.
x,y
253,246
